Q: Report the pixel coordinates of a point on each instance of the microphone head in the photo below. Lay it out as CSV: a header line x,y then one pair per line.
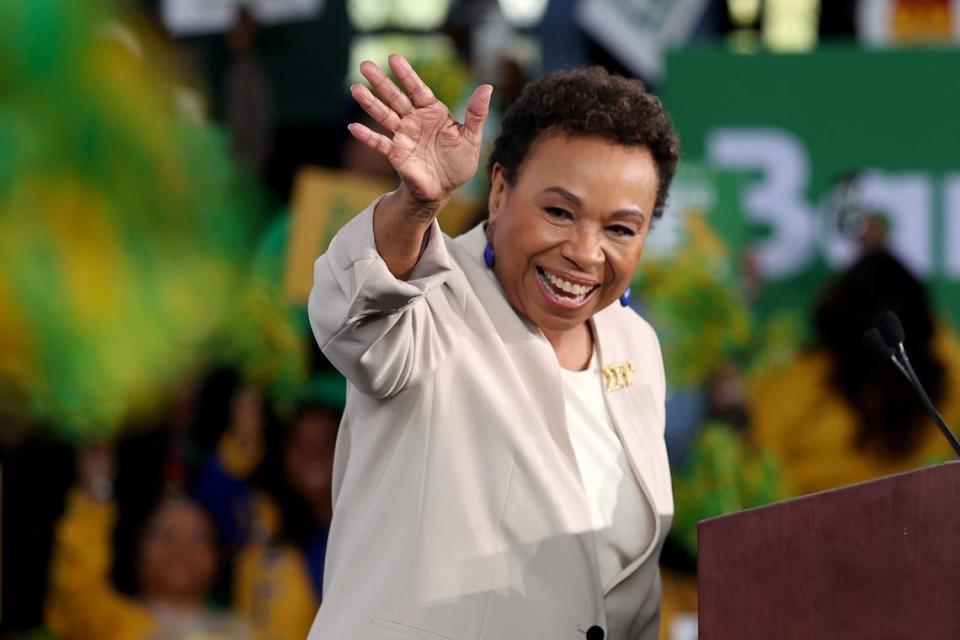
x,y
890,329
874,343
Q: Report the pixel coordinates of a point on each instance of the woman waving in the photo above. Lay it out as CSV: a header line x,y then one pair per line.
x,y
500,471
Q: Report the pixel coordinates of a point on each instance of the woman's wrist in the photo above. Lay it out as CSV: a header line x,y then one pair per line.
x,y
414,208
401,224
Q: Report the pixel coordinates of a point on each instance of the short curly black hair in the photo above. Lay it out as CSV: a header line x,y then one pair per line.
x,y
588,102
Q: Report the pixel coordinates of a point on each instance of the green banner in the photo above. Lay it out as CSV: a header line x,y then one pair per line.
x,y
791,125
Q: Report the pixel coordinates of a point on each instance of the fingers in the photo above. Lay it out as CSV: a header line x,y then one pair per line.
x,y
380,112
371,138
477,110
395,99
419,92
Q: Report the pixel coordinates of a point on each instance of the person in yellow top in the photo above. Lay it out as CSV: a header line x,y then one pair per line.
x,y
837,415
177,564
272,503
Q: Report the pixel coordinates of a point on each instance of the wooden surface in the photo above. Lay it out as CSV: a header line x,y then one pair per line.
x,y
878,560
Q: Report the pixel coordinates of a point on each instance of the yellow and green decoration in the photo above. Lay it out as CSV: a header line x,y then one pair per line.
x,y
125,228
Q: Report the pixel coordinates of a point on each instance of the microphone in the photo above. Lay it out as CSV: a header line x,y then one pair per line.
x,y
888,324
886,341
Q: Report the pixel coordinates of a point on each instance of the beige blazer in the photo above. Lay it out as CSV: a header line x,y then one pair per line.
x,y
459,513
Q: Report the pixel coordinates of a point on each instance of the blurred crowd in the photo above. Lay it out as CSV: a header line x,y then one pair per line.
x,y
242,524
203,511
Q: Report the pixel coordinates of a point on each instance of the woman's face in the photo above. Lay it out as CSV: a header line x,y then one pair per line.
x,y
178,556
569,233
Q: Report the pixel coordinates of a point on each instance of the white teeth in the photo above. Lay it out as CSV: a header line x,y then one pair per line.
x,y
576,291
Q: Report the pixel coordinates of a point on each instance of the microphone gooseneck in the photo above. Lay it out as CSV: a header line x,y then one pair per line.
x,y
886,341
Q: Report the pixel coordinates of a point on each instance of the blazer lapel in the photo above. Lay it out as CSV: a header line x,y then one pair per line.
x,y
530,351
637,422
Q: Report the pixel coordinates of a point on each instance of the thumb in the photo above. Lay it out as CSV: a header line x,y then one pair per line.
x,y
477,110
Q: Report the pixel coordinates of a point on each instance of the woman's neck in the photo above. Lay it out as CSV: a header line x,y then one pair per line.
x,y
574,347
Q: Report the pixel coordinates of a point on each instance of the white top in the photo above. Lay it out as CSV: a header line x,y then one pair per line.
x,y
621,515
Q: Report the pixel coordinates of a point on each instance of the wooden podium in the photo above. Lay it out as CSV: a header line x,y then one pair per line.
x,y
878,560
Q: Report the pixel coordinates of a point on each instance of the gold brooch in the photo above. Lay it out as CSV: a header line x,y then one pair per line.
x,y
617,376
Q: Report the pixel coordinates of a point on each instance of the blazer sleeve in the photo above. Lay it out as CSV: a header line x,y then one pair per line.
x,y
384,334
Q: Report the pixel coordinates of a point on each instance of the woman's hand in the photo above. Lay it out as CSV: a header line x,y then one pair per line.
x,y
433,154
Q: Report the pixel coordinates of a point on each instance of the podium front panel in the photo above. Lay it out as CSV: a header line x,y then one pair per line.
x,y
878,560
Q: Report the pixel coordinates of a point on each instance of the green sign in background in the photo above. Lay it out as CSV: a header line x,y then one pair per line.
x,y
895,113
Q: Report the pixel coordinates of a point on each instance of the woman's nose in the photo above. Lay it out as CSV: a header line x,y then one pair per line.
x,y
584,249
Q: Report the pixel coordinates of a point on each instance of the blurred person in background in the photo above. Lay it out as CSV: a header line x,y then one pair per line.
x,y
249,96
177,566
270,490
501,470
838,415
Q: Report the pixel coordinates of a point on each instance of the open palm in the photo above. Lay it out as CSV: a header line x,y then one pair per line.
x,y
431,152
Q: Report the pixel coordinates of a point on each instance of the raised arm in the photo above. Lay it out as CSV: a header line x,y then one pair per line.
x,y
82,601
386,297
432,153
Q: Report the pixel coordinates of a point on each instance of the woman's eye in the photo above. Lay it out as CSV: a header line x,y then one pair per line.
x,y
620,230
557,212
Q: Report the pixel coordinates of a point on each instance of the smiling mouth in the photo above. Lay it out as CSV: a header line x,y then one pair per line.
x,y
564,292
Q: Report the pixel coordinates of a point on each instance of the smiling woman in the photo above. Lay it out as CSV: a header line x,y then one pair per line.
x,y
569,232
501,459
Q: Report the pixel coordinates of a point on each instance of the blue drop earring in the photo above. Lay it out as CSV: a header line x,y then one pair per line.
x,y
488,257
625,297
